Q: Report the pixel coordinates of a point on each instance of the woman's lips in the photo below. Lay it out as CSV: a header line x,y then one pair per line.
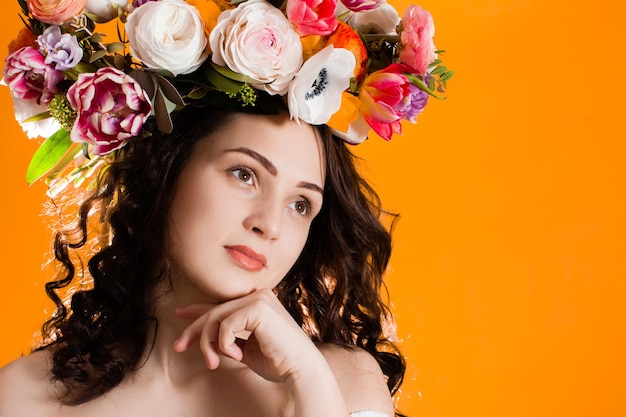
x,y
246,258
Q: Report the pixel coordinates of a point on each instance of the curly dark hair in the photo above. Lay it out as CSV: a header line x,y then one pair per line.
x,y
334,294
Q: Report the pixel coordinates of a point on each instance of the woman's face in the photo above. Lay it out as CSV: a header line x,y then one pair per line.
x,y
243,206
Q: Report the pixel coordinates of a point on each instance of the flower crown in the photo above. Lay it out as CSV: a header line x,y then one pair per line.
x,y
354,65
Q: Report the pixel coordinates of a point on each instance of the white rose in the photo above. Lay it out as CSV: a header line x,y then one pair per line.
x,y
167,34
104,10
315,92
257,40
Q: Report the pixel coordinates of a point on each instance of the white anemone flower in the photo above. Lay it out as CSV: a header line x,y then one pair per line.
x,y
315,92
357,131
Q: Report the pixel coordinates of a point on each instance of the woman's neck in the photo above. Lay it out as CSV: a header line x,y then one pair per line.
x,y
162,360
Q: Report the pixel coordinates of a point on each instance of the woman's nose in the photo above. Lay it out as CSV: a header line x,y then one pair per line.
x,y
265,217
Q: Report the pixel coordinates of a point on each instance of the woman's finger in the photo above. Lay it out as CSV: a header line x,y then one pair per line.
x,y
190,334
192,311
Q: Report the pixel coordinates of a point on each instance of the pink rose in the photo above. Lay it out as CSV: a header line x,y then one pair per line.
x,y
111,108
29,77
313,17
416,47
55,12
383,96
257,40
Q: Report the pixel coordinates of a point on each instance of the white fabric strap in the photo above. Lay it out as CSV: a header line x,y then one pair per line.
x,y
368,413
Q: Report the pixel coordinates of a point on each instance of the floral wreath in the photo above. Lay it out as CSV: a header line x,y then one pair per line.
x,y
354,65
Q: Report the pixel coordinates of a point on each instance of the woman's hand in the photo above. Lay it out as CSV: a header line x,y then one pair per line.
x,y
277,348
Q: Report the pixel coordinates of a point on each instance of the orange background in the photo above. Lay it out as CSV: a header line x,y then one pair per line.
x,y
508,278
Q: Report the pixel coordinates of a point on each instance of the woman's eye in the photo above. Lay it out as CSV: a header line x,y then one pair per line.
x,y
301,207
243,174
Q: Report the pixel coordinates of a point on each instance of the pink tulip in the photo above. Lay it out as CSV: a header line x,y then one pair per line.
x,y
313,17
111,108
382,97
29,77
362,5
417,48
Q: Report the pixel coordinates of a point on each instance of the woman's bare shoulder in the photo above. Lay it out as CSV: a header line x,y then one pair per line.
x,y
360,378
26,388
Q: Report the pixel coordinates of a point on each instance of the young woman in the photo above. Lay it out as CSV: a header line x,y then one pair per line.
x,y
227,258
242,277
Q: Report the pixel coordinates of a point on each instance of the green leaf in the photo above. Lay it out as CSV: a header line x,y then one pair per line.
x,y
97,37
431,83
114,47
24,6
85,149
228,73
121,63
37,117
220,81
446,76
198,92
422,86
439,70
97,55
145,80
48,155
95,18
435,63
163,118
168,89
81,67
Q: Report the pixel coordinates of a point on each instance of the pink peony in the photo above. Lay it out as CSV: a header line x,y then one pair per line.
x,y
111,108
29,77
55,12
313,17
417,48
383,96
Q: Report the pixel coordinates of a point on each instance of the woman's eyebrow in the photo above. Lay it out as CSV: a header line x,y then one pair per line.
x,y
271,168
311,186
260,158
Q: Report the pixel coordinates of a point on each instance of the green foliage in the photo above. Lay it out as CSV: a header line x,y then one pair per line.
x,y
48,155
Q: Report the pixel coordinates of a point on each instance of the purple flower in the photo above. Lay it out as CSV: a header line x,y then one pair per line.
x,y
61,49
413,104
29,77
111,108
